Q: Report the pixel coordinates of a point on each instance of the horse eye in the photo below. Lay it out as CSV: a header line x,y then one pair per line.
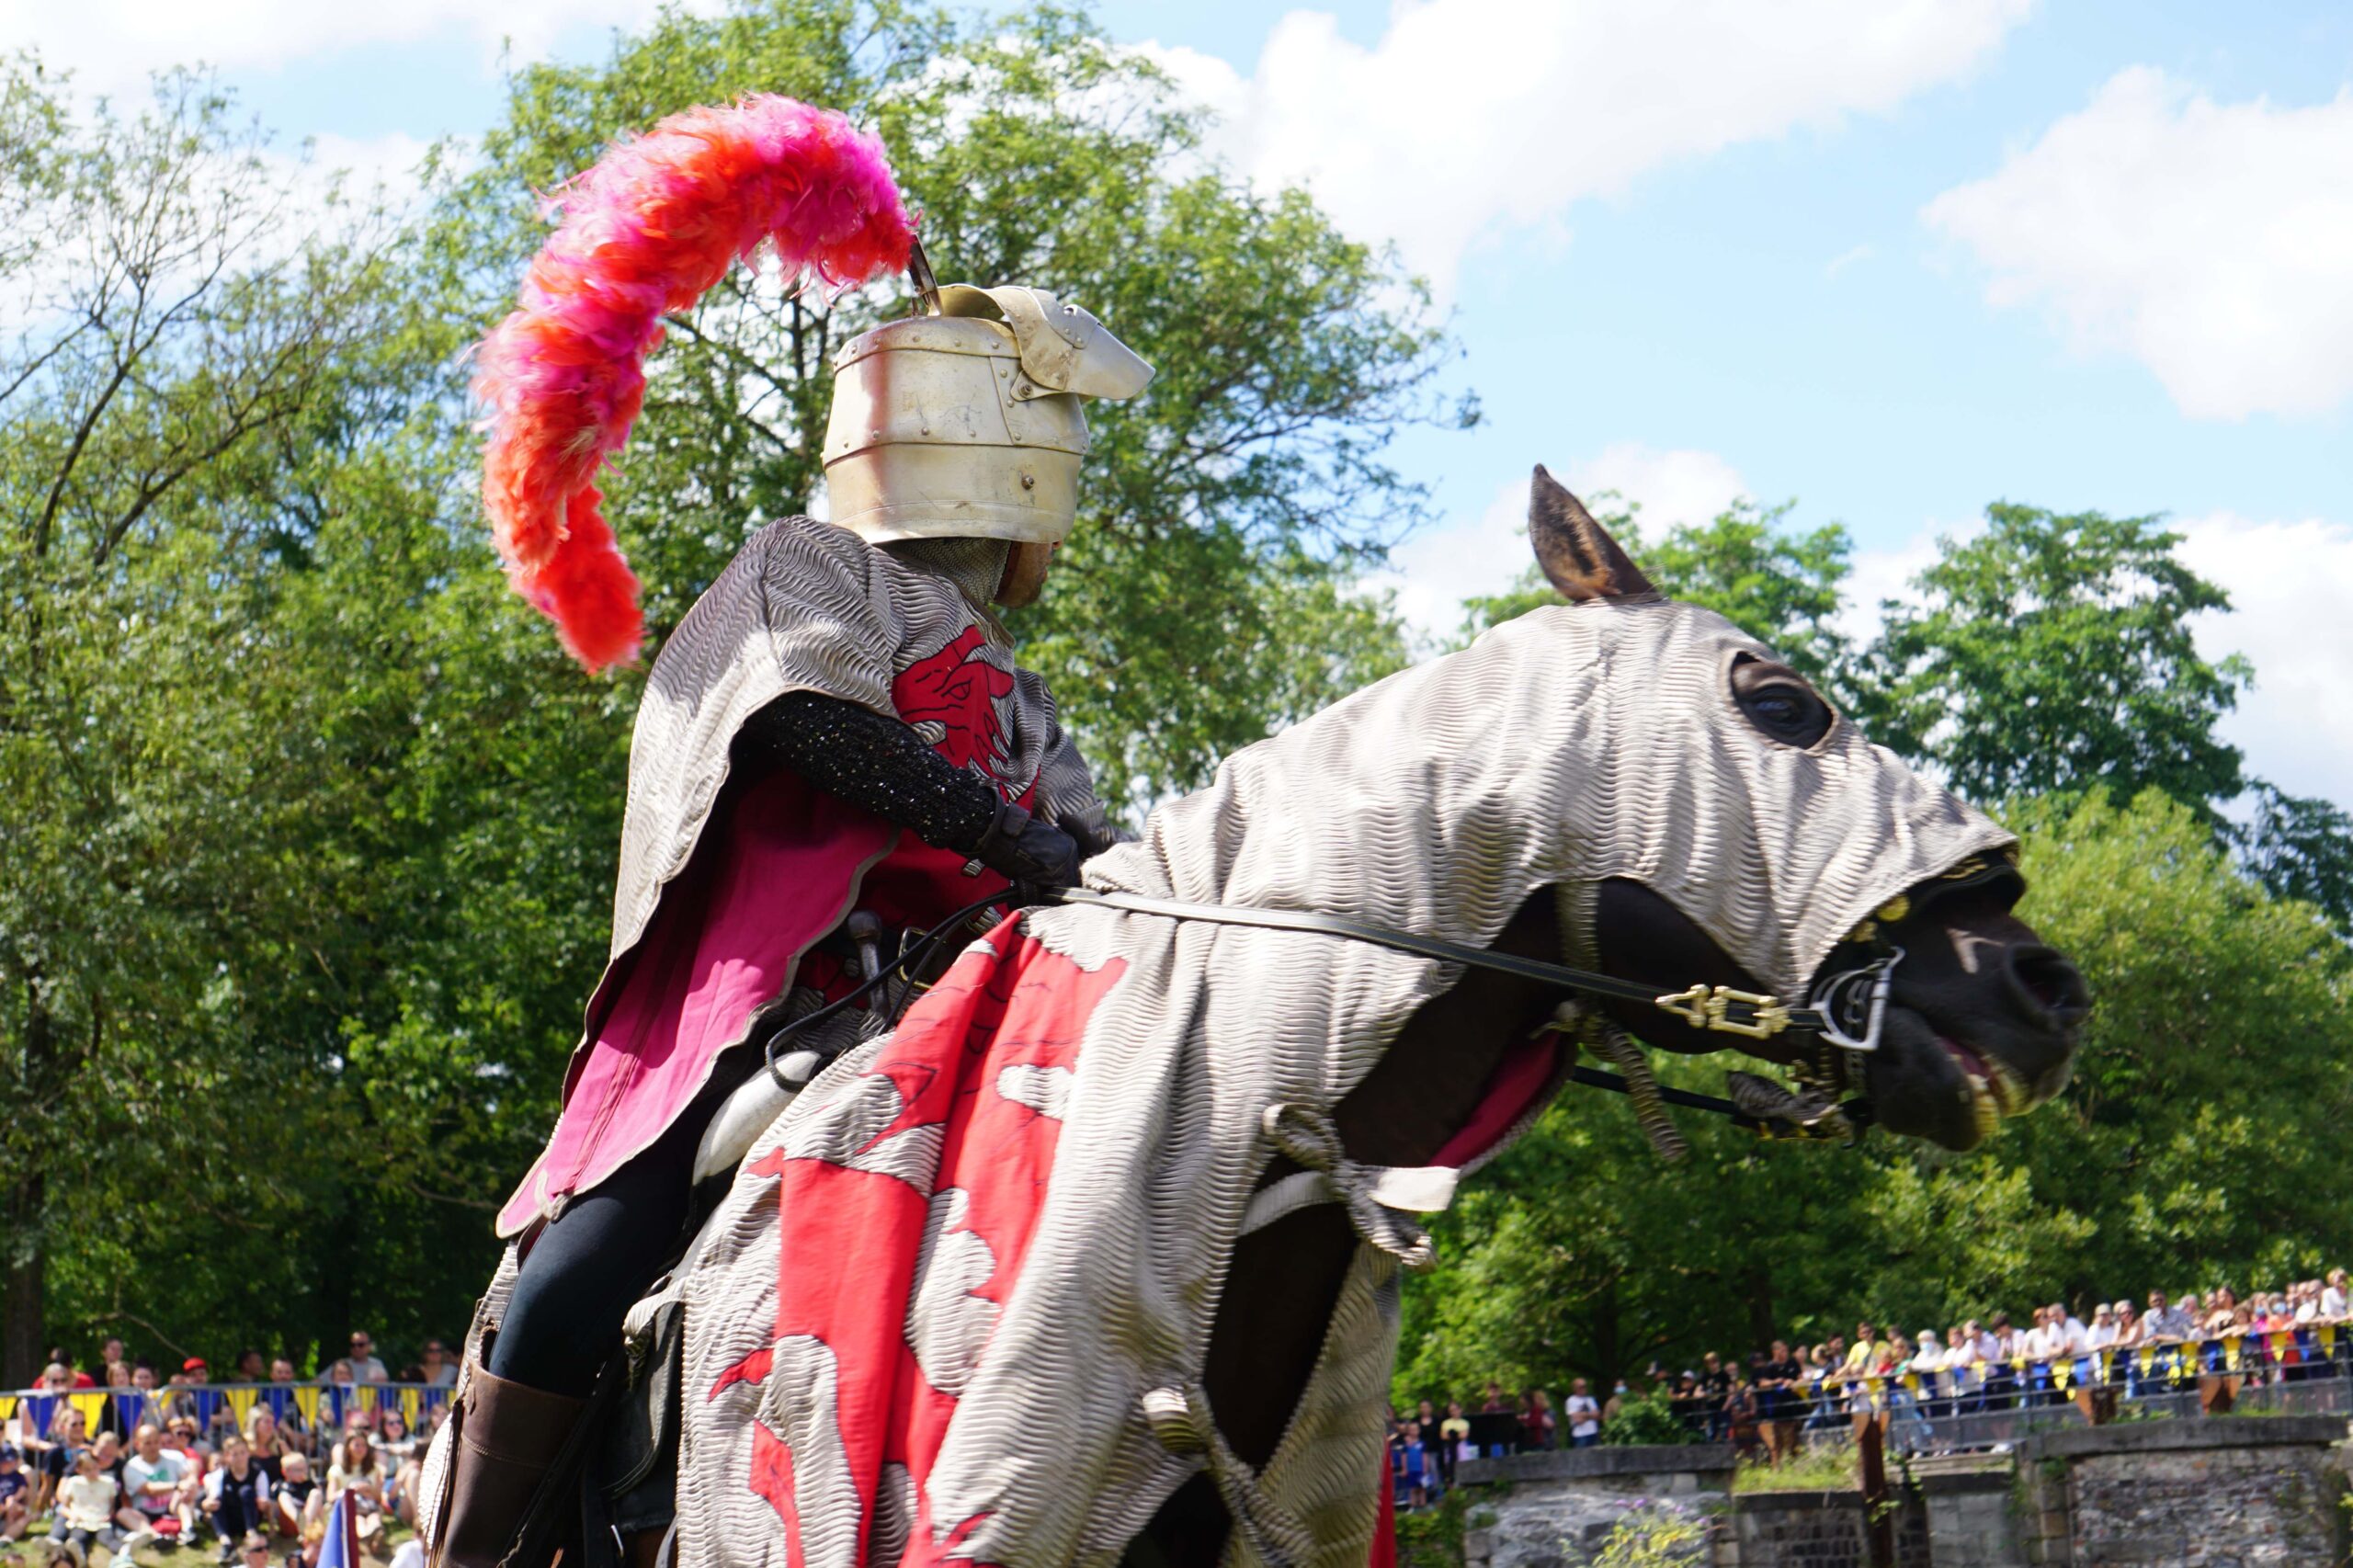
x,y
1779,702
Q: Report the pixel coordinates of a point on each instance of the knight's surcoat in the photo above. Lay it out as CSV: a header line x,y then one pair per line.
x,y
721,893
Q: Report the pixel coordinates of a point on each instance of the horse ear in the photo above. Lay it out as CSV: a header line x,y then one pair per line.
x,y
1578,554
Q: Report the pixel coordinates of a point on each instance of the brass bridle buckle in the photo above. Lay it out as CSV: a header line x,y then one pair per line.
x,y
1710,1008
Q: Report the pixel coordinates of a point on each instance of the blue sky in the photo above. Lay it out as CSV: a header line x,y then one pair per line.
x,y
1893,263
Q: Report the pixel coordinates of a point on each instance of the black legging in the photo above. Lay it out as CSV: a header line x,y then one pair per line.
x,y
604,1250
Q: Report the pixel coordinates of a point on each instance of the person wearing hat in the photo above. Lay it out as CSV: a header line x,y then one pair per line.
x,y
178,1401
835,747
15,1512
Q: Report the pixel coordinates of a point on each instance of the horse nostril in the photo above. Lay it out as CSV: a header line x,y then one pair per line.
x,y
2051,984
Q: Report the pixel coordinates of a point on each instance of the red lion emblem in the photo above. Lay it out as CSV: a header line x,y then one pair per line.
x,y
959,689
905,1210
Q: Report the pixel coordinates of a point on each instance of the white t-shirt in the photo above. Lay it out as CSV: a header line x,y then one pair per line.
x,y
86,1502
1584,1416
2332,1301
137,1472
2099,1337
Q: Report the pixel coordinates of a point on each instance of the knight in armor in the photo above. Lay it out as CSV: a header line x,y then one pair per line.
x,y
834,747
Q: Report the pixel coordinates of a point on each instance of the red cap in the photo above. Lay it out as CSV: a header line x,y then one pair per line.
x,y
194,1364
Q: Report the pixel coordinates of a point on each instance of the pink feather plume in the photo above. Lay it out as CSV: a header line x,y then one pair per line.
x,y
649,229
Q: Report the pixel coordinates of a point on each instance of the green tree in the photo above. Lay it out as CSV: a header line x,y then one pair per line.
x,y
178,341
289,951
2197,1128
2302,847
1205,596
1779,585
2053,652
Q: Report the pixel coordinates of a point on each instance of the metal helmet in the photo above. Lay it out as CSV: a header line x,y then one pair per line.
x,y
965,422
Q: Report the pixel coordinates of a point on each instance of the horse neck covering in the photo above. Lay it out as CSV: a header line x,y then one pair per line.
x,y
1572,744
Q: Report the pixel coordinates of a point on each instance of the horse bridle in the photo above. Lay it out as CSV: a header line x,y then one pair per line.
x,y
1845,1011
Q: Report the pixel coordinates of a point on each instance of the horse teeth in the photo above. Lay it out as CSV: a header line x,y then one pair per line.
x,y
2010,1090
1983,1105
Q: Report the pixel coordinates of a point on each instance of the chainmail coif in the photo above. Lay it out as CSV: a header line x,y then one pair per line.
x,y
976,566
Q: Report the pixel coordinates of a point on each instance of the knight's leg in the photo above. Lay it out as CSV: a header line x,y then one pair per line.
x,y
609,1245
562,1322
584,1270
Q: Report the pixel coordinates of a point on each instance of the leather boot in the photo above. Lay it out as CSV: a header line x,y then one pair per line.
x,y
508,1435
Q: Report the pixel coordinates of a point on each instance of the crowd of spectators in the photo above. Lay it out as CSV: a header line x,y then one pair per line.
x,y
252,1470
2214,1344
1425,1447
169,1462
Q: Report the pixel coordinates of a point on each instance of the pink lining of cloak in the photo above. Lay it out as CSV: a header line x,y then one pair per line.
x,y
778,871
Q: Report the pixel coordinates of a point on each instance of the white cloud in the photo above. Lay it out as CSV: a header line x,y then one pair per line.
x,y
2288,583
1433,572
1847,258
112,45
2213,242
388,166
1676,487
1470,119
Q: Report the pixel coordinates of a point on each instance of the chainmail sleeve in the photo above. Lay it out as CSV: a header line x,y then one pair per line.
x,y
876,764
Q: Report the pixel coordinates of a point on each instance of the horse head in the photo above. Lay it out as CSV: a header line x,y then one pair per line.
x,y
1982,1016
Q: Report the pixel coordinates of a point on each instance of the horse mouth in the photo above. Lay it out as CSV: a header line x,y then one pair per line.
x,y
1992,1088
1946,1088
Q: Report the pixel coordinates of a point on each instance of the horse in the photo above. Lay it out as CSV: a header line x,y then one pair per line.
x,y
1094,1258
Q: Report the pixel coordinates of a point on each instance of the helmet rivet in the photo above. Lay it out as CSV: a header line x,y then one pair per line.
x,y
1029,482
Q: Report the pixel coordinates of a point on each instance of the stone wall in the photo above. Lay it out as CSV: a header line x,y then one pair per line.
x,y
1823,1529
2242,1492
1801,1529
1554,1510
2226,1493
1971,1507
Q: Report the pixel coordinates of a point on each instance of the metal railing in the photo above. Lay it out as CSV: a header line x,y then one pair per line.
x,y
2308,1369
33,1414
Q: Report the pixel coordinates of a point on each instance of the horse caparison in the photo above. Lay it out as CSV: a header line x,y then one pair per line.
x,y
2022,1007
